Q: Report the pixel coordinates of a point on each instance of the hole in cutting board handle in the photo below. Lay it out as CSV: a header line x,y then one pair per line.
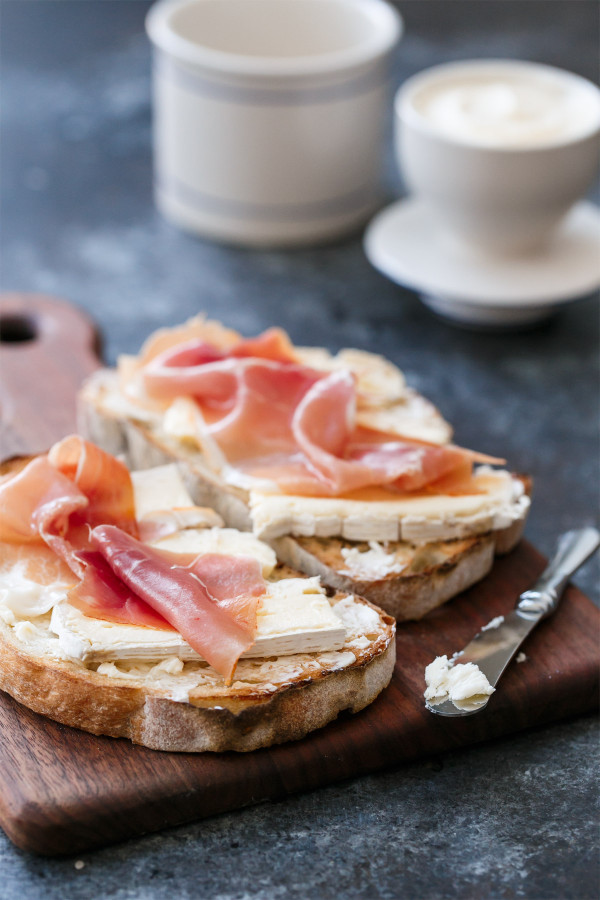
x,y
17,329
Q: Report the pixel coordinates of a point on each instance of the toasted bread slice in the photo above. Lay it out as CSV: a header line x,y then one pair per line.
x,y
433,571
406,580
421,577
178,705
269,702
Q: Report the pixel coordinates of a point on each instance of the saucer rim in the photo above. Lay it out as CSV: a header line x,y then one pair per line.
x,y
392,267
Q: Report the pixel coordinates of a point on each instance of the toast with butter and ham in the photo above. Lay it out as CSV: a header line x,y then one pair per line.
x,y
343,469
126,610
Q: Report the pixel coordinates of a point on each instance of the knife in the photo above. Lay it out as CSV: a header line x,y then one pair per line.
x,y
498,641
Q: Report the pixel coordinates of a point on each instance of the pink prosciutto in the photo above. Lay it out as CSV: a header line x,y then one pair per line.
x,y
103,479
102,595
75,504
58,497
210,600
275,419
37,501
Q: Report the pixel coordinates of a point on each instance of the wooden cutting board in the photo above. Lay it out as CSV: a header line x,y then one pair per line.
x,y
63,791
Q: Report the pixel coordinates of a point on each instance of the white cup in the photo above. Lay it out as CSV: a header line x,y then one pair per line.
x,y
497,175
268,115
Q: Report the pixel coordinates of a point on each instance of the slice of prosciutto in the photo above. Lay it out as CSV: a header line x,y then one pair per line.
x,y
103,479
102,595
37,502
75,505
58,497
295,427
210,600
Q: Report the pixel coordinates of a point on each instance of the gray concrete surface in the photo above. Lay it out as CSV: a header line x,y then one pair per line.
x,y
514,819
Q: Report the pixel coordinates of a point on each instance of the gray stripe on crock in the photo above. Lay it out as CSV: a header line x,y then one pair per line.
x,y
245,95
362,198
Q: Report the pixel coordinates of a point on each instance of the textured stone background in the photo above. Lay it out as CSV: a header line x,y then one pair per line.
x,y
513,819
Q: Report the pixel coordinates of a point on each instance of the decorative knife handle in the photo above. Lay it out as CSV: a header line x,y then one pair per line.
x,y
574,547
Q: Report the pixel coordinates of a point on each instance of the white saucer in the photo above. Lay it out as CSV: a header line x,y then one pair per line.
x,y
405,243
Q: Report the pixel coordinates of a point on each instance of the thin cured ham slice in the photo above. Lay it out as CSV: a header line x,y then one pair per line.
x,y
180,368
295,427
103,479
273,344
56,498
259,422
198,328
49,515
37,501
210,600
102,595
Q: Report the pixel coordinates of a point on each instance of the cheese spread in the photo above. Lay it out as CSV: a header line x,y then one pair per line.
x,y
462,683
372,564
494,623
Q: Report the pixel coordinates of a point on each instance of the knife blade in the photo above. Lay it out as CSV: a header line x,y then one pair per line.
x,y
493,648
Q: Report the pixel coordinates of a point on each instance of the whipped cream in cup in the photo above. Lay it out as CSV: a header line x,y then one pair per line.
x,y
501,149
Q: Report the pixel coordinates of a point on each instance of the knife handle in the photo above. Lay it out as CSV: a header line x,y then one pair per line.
x,y
574,547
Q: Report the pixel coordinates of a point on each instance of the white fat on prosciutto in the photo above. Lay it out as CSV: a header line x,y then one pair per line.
x,y
292,426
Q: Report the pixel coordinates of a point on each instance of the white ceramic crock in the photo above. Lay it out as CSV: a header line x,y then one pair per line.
x,y
268,115
506,199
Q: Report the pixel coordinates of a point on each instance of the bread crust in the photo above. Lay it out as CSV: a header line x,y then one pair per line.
x,y
229,719
434,573
407,595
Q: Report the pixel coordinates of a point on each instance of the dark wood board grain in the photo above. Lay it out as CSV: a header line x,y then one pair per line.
x,y
64,791
47,347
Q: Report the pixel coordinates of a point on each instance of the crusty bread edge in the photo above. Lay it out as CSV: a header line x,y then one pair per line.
x,y
405,597
78,697
410,597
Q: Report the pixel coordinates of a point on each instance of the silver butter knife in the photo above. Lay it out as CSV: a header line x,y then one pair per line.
x,y
496,644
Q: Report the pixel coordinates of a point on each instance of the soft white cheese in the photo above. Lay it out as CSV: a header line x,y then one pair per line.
x,y
181,419
294,616
494,623
462,683
162,499
158,489
21,598
224,541
184,423
168,676
378,381
385,517
359,619
124,406
269,673
372,564
412,417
